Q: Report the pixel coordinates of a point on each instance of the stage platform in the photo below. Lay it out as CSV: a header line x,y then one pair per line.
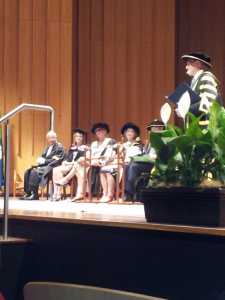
x,y
100,214
110,246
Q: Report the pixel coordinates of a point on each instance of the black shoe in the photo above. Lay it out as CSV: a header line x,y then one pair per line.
x,y
32,197
128,197
24,197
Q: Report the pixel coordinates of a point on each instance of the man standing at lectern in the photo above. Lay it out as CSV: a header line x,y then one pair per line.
x,y
204,83
38,175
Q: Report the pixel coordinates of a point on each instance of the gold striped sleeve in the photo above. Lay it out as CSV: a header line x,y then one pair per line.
x,y
208,78
208,95
55,157
208,86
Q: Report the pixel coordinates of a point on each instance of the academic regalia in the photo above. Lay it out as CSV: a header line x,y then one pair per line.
x,y
38,175
208,85
100,152
134,169
71,157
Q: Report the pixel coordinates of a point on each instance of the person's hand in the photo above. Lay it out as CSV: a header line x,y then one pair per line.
x,y
80,161
64,163
40,160
153,156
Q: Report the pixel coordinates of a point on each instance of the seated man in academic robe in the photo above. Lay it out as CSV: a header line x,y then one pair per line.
x,y
38,175
135,169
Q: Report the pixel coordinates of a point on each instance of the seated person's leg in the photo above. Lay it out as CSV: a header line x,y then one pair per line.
x,y
135,170
64,181
26,182
80,187
111,184
35,178
103,178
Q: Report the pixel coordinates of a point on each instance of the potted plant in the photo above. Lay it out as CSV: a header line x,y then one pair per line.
x,y
187,183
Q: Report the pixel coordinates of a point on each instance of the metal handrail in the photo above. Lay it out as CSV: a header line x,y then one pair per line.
x,y
7,153
33,107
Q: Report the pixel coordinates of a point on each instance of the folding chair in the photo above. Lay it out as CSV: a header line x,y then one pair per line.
x,y
120,157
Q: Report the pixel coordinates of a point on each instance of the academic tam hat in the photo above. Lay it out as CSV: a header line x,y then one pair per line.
x,y
130,125
198,56
100,125
155,123
77,130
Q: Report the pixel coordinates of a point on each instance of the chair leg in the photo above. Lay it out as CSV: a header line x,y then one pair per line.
x,y
71,188
64,193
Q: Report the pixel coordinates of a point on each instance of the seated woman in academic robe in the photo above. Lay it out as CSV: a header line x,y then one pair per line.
x,y
98,148
132,147
73,155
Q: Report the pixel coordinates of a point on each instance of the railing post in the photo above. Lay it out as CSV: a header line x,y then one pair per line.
x,y
6,190
7,153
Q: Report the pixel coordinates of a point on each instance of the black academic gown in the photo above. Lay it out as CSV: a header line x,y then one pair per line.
x,y
38,175
134,169
69,156
206,84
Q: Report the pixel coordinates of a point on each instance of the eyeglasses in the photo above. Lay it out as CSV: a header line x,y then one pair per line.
x,y
99,129
130,130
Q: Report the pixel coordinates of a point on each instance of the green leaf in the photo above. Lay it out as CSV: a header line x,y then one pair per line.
x,y
194,130
221,142
143,158
182,143
177,129
214,119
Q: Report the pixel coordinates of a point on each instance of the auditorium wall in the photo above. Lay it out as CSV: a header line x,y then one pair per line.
x,y
91,60
126,52
35,68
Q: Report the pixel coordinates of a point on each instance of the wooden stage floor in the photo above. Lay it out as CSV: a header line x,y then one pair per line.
x,y
101,214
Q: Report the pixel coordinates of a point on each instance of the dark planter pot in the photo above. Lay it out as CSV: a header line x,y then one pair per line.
x,y
186,206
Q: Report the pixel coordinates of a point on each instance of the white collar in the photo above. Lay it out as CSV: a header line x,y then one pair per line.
x,y
198,74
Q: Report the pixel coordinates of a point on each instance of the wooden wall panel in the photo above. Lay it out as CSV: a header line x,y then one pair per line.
x,y
134,61
202,31
54,64
26,9
65,106
121,85
35,52
96,97
146,66
109,58
121,72
138,42
84,66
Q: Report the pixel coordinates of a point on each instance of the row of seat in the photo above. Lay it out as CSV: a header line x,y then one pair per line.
x,y
118,161
59,291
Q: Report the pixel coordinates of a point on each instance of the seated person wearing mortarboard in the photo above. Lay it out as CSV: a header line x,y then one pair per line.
x,y
135,169
99,148
38,175
74,154
132,147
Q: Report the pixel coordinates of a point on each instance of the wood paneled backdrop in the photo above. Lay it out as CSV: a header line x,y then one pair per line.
x,y
97,61
35,67
91,60
126,52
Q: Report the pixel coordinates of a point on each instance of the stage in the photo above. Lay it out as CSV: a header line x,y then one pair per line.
x,y
110,246
101,214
